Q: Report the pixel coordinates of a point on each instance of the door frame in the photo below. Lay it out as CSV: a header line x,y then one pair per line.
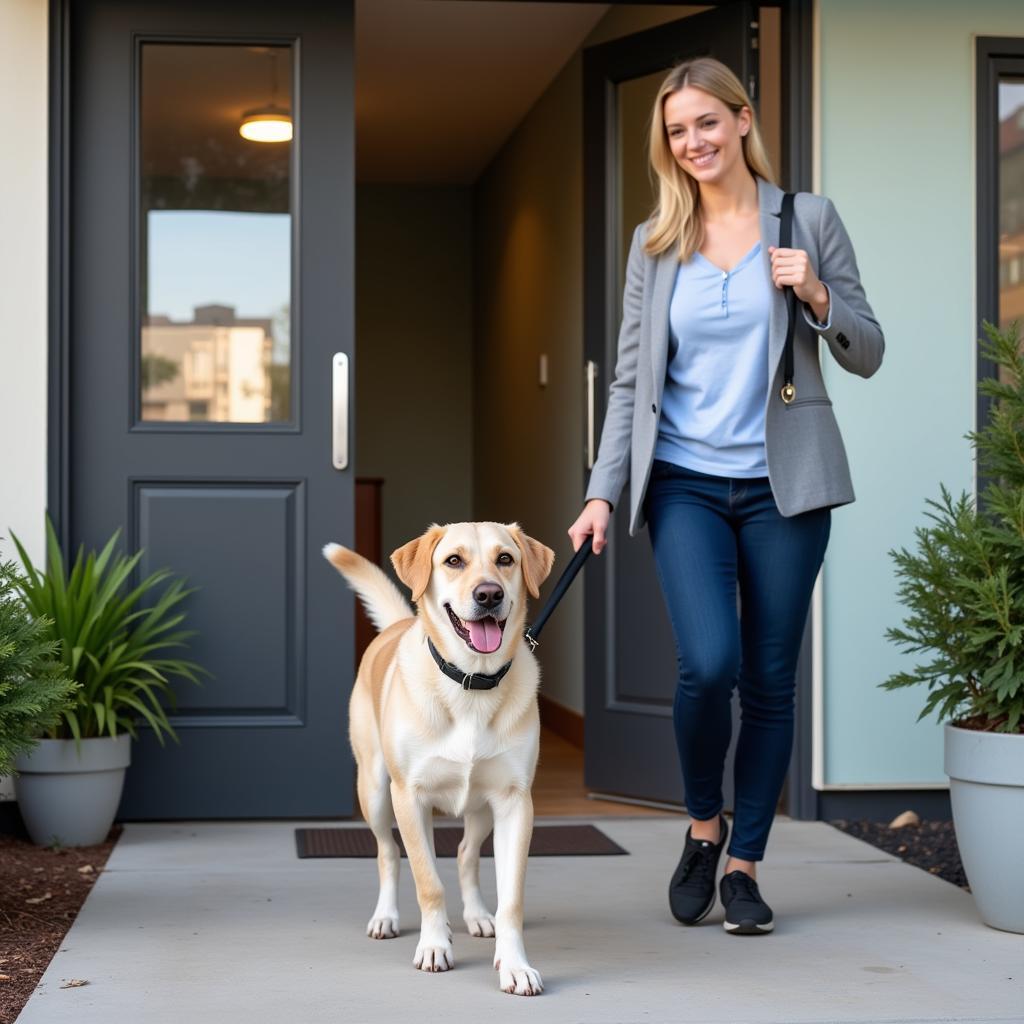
x,y
797,170
58,446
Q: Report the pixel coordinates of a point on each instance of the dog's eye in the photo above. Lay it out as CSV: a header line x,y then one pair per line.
x,y
454,561
505,559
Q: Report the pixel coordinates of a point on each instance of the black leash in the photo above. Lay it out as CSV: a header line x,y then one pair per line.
x,y
532,633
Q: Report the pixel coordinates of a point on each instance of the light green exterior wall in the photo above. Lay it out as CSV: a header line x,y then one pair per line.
x,y
897,156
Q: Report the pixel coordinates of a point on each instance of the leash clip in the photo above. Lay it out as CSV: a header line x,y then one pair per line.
x,y
534,644
465,680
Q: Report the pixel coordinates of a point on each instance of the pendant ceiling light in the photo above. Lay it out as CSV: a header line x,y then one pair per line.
x,y
271,123
266,124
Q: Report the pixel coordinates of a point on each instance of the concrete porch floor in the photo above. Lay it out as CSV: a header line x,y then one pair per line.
x,y
223,923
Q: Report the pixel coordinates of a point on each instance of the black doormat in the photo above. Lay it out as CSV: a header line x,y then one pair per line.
x,y
547,841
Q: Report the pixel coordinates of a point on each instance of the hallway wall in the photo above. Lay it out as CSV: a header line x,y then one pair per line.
x,y
414,354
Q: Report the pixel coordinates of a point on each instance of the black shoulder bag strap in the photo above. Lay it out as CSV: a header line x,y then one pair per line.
x,y
788,391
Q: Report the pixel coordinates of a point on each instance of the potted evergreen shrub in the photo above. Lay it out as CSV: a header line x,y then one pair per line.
x,y
34,686
964,588
114,640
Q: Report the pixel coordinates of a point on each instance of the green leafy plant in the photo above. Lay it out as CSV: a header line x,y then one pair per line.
x,y
34,687
964,586
111,643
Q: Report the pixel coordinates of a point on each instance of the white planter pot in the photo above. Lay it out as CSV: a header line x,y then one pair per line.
x,y
986,791
70,797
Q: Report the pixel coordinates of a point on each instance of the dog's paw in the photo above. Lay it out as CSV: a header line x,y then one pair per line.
x,y
480,923
518,979
383,926
434,956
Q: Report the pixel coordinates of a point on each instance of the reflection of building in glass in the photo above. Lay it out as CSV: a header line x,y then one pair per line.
x,y
216,368
1011,217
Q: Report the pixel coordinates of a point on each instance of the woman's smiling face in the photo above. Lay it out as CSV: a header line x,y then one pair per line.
x,y
705,136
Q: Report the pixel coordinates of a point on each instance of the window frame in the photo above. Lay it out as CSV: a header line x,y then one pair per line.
x,y
996,57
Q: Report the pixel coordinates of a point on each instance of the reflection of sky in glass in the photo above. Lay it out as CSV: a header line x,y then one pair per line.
x,y
1011,96
201,257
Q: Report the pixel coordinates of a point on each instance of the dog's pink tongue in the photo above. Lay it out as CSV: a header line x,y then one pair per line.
x,y
485,635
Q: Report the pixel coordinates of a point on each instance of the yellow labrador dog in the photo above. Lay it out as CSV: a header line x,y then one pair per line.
x,y
444,714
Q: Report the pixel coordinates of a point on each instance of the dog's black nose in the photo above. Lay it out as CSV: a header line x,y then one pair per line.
x,y
487,595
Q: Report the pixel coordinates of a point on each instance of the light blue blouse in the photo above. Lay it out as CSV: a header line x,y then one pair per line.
x,y
712,410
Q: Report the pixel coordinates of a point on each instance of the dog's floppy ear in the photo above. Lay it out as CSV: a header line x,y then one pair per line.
x,y
413,563
537,559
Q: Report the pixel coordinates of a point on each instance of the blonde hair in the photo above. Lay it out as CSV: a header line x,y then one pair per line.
x,y
676,218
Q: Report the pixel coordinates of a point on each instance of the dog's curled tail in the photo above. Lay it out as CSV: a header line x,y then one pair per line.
x,y
383,601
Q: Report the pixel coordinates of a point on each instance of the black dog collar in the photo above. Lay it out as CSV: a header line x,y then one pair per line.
x,y
468,680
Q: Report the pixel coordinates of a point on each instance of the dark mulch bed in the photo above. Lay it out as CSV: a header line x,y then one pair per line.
x,y
930,846
41,891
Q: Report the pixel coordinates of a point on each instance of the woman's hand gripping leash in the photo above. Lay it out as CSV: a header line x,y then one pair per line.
x,y
592,521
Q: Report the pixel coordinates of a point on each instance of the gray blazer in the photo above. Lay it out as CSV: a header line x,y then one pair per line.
x,y
807,465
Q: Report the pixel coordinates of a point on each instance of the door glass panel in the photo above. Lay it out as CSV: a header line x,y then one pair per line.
x,y
1011,202
215,233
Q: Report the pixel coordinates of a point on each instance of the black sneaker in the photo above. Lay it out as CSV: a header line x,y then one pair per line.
x,y
691,893
745,912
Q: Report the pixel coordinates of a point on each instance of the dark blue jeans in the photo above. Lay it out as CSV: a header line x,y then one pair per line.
x,y
710,533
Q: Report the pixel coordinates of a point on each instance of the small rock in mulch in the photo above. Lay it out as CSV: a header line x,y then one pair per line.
x,y
929,845
906,818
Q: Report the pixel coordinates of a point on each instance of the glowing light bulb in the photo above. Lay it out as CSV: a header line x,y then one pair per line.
x,y
266,124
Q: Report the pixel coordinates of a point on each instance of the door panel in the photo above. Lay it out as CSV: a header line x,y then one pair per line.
x,y
211,285
248,633
630,664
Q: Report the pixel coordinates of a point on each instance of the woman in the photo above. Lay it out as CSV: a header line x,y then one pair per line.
x,y
734,475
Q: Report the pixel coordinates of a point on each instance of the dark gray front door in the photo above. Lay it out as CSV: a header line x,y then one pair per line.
x,y
630,665
211,286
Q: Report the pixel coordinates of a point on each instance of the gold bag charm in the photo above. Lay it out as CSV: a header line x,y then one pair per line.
x,y
788,393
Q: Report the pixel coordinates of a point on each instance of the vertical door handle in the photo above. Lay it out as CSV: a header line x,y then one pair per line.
x,y
591,376
339,405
